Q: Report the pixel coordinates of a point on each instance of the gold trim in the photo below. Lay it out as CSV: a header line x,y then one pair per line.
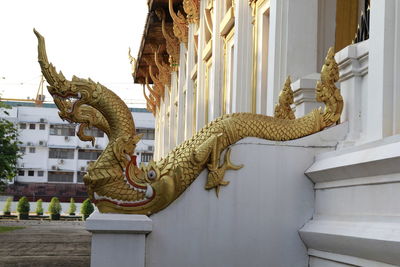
x,y
256,4
227,22
207,51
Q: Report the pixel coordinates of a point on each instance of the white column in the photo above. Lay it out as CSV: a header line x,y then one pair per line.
x,y
200,112
293,44
243,58
383,88
180,135
118,239
217,73
173,110
166,107
353,68
189,83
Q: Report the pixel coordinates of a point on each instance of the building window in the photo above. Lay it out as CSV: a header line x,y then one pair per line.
x,y
93,132
22,149
146,157
148,134
31,173
88,154
61,177
80,177
32,126
40,173
42,126
61,153
62,130
21,173
32,150
22,126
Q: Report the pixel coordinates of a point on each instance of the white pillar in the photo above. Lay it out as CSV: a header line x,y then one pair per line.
x,y
293,44
383,88
173,110
118,239
217,73
180,128
200,105
189,83
243,58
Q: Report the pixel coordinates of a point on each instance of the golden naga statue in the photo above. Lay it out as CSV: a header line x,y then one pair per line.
x,y
116,184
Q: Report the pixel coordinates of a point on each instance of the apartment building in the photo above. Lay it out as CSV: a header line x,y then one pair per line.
x,y
54,159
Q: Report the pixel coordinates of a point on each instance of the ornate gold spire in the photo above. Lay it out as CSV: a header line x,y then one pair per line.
x,y
150,103
171,41
192,9
164,70
132,61
180,24
283,109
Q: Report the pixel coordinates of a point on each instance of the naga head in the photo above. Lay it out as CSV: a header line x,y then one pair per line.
x,y
155,186
67,95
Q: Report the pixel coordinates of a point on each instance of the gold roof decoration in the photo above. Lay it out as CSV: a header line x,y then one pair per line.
x,y
180,24
164,69
192,9
172,43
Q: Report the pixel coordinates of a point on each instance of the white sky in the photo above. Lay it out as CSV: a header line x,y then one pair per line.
x,y
86,38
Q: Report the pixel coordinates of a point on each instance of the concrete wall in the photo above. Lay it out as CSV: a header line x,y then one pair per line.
x,y
255,220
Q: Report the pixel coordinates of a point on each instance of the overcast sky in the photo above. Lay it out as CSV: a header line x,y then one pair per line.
x,y
86,38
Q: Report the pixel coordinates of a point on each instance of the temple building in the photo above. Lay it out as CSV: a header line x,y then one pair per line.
x,y
327,199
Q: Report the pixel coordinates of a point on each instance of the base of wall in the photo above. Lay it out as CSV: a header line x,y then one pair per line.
x,y
118,239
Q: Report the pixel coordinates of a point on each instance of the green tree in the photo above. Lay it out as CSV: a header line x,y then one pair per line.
x,y
39,207
7,206
23,205
86,209
9,152
72,207
54,206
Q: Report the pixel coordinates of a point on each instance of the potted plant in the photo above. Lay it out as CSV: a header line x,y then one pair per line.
x,y
54,209
72,207
23,208
39,207
86,209
7,207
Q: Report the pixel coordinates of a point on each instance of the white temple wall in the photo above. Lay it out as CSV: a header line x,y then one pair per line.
x,y
252,223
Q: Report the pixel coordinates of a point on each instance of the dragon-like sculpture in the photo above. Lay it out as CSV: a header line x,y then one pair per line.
x,y
116,184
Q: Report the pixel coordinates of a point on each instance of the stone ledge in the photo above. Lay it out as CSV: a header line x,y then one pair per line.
x,y
377,159
118,223
376,241
348,260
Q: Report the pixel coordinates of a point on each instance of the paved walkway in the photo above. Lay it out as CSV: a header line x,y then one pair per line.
x,y
45,243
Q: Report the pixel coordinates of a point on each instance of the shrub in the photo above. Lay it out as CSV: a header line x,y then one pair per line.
x,y
87,208
7,206
39,207
23,205
55,206
72,207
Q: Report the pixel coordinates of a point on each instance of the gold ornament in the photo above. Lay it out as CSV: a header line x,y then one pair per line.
x,y
164,70
283,109
192,9
171,41
180,24
114,182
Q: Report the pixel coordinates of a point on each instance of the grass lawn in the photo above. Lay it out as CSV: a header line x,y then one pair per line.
x,y
9,228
